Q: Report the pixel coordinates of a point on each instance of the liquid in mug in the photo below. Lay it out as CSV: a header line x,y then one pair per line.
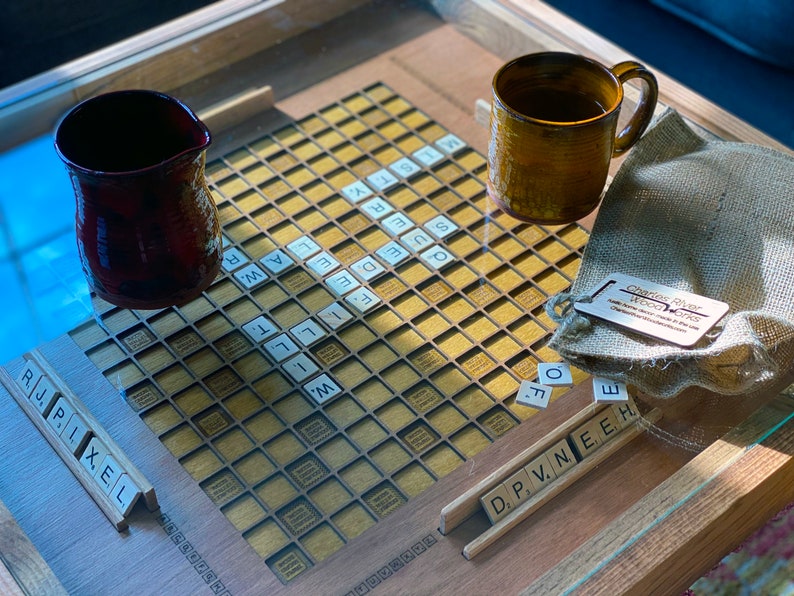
x,y
556,105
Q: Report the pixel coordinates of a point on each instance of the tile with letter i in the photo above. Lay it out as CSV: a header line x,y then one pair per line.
x,y
104,471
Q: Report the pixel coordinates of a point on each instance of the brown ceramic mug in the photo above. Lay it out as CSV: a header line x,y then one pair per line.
x,y
554,119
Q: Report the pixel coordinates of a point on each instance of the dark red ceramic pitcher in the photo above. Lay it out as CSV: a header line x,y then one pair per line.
x,y
147,227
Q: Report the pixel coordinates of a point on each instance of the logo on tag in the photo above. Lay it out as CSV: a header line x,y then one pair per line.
x,y
678,317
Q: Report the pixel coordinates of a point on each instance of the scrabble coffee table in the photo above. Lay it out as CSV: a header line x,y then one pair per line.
x,y
326,417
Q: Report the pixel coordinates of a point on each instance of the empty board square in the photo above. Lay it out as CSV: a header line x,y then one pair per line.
x,y
367,268
303,247
281,347
557,374
437,257
450,144
342,283
393,253
363,299
308,332
322,264
251,275
276,261
356,191
427,155
533,395
440,226
300,368
322,388
405,167
377,208
397,223
260,328
607,391
334,315
234,258
382,179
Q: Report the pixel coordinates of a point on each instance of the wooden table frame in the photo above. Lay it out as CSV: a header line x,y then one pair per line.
x,y
691,520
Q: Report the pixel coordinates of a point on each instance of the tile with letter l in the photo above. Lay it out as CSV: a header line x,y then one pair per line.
x,y
308,332
281,347
124,494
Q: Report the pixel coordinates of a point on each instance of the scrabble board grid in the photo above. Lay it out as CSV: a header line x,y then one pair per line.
x,y
369,332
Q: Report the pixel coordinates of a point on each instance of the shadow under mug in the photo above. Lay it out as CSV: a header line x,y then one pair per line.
x,y
554,119
148,232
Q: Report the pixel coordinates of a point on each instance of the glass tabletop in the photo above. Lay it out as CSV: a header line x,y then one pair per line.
x,y
343,405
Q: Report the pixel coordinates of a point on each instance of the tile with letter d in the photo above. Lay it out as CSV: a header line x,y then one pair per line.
x,y
367,268
497,503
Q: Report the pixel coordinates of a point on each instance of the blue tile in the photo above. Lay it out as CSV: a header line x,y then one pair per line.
x,y
35,193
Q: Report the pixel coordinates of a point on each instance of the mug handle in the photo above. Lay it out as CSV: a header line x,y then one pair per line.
x,y
646,105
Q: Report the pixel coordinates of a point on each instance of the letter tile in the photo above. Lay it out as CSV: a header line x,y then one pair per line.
x,y
276,261
497,503
60,414
334,315
587,438
607,425
124,494
557,374
75,434
45,395
540,472
561,457
608,392
108,473
93,455
29,377
625,413
519,487
533,395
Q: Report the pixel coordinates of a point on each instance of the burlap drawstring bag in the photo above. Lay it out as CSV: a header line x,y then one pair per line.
x,y
714,218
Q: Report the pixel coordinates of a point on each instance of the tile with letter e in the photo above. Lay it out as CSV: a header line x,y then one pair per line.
x,y
586,439
93,455
609,392
44,396
109,472
393,253
497,503
343,282
533,395
59,415
561,457
124,494
540,472
322,264
607,424
397,223
519,487
556,374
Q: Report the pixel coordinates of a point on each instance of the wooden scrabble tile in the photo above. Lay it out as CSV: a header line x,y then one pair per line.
x,y
29,377
625,413
75,434
586,439
561,457
606,391
60,414
497,503
93,455
519,487
124,494
557,374
607,425
540,472
533,395
44,395
108,474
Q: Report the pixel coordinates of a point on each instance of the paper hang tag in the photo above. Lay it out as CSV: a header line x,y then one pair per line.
x,y
674,316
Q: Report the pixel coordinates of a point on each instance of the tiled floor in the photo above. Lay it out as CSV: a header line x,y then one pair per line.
x,y
44,293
